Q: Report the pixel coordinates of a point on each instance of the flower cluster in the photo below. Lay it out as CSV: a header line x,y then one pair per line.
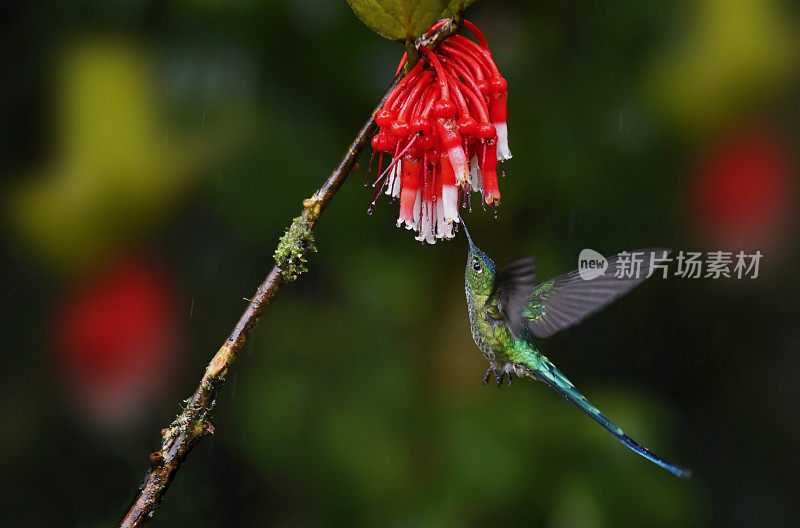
x,y
444,125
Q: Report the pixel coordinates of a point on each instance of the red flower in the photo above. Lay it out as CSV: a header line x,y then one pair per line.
x,y
115,337
743,195
444,125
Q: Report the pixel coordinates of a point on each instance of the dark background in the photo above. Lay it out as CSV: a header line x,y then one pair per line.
x,y
153,153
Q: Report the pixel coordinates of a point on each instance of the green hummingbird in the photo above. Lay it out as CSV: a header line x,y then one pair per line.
x,y
507,309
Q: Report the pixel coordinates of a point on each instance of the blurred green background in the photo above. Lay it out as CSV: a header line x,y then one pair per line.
x,y
153,153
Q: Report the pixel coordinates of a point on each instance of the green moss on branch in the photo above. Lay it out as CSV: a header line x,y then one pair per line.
x,y
294,248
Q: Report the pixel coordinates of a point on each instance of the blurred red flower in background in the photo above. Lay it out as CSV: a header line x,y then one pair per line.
x,y
744,191
115,337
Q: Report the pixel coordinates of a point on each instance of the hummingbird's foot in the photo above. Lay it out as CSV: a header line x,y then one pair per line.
x,y
486,376
508,368
500,377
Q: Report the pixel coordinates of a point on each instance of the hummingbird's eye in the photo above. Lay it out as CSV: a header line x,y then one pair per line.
x,y
476,265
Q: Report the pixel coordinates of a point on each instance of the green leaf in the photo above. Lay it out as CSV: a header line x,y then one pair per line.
x,y
457,6
400,19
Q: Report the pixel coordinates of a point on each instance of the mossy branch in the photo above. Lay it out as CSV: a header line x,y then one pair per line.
x,y
294,248
291,259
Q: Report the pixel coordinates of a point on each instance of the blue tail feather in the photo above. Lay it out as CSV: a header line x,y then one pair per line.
x,y
549,374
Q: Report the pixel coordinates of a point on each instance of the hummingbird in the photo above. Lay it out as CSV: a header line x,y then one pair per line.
x,y
507,309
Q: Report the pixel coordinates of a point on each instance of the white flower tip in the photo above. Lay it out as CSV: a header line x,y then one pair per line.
x,y
503,152
409,224
449,204
425,237
474,174
393,185
460,164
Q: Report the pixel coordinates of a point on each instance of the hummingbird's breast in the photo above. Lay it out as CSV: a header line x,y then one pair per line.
x,y
484,328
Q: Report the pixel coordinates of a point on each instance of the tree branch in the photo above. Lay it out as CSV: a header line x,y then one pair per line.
x,y
180,437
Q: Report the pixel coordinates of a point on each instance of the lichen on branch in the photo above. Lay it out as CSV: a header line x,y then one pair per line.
x,y
291,256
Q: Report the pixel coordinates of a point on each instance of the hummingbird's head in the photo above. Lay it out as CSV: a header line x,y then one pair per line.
x,y
480,272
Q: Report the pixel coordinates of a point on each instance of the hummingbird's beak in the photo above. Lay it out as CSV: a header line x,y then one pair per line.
x,y
469,238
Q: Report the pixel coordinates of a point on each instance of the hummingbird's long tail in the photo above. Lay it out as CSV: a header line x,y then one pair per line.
x,y
549,374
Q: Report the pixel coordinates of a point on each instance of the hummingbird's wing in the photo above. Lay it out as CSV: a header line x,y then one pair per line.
x,y
566,300
513,289
541,369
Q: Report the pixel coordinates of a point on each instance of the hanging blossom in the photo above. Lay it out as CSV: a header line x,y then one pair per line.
x,y
444,126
